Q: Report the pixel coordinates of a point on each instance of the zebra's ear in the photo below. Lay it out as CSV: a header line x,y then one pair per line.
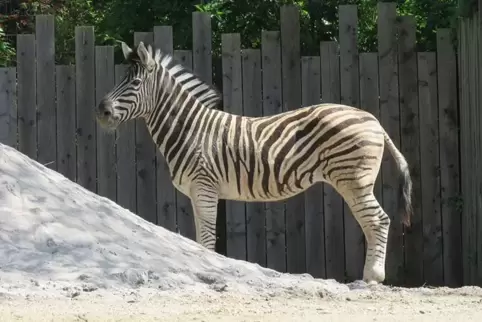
x,y
143,54
126,50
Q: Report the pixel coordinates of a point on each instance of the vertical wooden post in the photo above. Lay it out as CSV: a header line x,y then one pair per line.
x,y
106,151
85,100
66,145
272,96
410,144
233,103
45,48
390,119
333,203
145,157
314,216
252,106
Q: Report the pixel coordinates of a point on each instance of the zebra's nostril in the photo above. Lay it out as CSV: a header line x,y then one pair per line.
x,y
107,113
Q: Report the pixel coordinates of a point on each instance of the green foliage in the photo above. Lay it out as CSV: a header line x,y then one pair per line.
x,y
319,20
115,20
468,7
7,52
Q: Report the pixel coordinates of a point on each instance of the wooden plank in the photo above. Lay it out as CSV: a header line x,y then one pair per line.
x,y
333,203
369,91
462,94
185,216
163,39
201,46
430,171
272,96
166,193
85,99
350,95
478,140
145,157
471,195
253,106
233,103
66,145
469,218
45,49
126,157
314,201
477,151
26,95
106,158
473,154
8,106
410,144
291,72
390,119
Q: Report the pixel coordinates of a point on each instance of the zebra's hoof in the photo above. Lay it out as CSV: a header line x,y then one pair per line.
x,y
374,275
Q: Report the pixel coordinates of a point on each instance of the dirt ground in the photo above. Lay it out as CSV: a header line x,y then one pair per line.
x,y
393,305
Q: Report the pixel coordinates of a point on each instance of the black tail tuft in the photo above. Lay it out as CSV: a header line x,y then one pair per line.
x,y
405,201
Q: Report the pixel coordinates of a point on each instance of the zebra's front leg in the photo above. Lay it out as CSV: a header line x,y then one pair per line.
x,y
204,202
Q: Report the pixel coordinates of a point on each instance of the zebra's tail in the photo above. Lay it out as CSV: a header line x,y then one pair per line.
x,y
405,182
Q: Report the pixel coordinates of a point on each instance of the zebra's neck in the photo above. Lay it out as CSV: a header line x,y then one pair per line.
x,y
181,100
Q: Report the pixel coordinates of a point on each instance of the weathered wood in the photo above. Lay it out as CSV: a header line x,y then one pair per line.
x,y
253,106
26,95
369,91
314,217
470,158
106,151
350,95
430,170
390,119
46,126
410,144
166,193
291,72
333,203
126,157
478,140
449,158
272,96
66,145
185,216
8,106
145,157
163,39
85,100
201,46
469,219
233,103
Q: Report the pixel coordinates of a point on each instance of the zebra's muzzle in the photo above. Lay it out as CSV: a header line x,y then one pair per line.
x,y
105,115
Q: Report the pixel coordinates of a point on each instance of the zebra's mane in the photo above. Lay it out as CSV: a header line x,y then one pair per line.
x,y
207,94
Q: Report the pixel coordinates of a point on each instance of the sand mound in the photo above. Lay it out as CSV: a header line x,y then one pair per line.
x,y
55,236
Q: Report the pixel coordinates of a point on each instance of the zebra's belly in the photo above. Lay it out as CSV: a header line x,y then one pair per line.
x,y
259,192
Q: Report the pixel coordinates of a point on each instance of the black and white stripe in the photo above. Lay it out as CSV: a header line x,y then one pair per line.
x,y
215,155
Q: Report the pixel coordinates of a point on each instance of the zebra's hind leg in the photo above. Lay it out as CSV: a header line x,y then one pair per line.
x,y
204,200
375,224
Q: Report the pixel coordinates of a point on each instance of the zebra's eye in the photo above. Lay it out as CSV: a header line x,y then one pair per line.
x,y
136,82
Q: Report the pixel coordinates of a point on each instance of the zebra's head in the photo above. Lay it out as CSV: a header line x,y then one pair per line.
x,y
132,97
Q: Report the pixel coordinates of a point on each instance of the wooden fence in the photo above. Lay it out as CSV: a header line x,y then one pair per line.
x,y
470,96
46,111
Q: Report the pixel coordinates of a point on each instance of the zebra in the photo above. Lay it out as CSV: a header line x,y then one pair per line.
x,y
213,155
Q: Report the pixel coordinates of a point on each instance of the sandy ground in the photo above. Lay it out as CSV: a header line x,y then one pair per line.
x,y
388,305
67,254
